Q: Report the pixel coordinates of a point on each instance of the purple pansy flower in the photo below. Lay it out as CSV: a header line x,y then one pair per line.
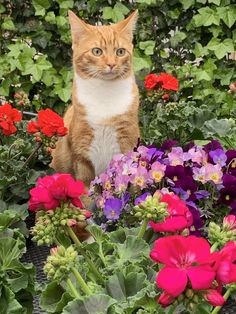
x,y
141,198
167,145
213,145
113,208
231,161
218,156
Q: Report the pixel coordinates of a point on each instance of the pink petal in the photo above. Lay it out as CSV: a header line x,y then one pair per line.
x,y
201,277
165,299
214,298
171,224
172,280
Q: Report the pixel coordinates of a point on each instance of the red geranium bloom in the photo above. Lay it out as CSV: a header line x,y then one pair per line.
x,y
151,81
8,116
51,190
168,81
185,260
179,217
32,127
224,265
165,299
49,123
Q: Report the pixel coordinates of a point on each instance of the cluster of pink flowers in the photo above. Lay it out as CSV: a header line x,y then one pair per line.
x,y
194,173
189,260
50,191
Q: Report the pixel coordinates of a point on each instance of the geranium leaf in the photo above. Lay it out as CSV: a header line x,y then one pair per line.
x,y
54,298
95,304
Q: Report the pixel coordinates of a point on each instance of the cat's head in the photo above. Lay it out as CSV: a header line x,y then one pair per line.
x,y
103,52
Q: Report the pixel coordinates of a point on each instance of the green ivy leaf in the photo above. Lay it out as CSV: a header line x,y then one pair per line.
x,y
8,24
206,17
228,14
187,3
148,47
40,6
116,14
220,48
177,38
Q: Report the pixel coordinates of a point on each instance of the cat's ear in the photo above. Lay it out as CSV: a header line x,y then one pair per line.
x,y
78,27
128,25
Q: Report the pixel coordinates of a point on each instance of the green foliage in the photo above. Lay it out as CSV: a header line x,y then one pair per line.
x,y
16,278
36,46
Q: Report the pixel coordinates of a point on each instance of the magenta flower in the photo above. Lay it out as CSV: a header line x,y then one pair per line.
x,y
140,177
113,208
198,155
213,297
179,215
50,191
225,266
186,260
176,156
229,222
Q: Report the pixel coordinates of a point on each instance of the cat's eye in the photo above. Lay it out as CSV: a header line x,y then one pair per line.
x,y
97,52
120,52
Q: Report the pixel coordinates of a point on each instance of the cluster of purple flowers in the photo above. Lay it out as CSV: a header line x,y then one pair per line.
x,y
194,173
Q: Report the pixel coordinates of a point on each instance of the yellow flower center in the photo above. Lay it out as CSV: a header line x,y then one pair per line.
x,y
108,185
233,165
113,213
201,178
227,197
139,181
175,178
214,177
143,163
157,176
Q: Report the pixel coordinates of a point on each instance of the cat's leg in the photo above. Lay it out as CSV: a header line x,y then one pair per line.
x,y
61,157
83,170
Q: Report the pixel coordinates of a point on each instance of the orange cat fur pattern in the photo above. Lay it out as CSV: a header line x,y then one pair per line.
x,y
103,118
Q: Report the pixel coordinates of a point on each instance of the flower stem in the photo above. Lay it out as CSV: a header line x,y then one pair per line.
x,y
226,296
72,288
143,229
214,246
32,155
92,266
81,281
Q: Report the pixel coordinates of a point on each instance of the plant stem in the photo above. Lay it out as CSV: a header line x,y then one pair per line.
x,y
226,296
102,255
143,229
32,155
214,246
81,281
92,266
72,288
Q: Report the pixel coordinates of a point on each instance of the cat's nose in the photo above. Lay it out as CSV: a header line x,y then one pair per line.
x,y
111,65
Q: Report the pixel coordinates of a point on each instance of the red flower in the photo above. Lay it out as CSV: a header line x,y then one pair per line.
x,y
166,97
185,260
8,116
165,299
49,123
213,297
51,190
168,82
224,265
151,81
179,217
32,127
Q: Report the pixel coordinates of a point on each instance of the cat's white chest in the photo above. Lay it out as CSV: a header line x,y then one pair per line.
x,y
103,99
103,147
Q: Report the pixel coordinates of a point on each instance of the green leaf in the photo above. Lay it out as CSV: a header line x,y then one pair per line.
x,y
148,46
206,17
228,14
221,48
54,298
141,63
97,233
115,14
63,93
199,50
95,304
187,3
133,249
9,304
121,287
217,2
220,127
8,24
40,6
177,38
9,251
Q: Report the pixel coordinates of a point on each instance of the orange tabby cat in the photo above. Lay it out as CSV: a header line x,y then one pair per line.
x,y
103,118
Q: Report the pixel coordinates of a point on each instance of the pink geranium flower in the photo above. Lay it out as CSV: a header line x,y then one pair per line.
x,y
186,260
224,265
179,217
50,191
213,297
